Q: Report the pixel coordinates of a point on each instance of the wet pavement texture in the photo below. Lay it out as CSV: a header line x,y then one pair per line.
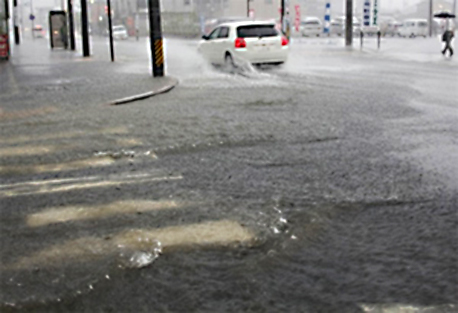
x,y
325,185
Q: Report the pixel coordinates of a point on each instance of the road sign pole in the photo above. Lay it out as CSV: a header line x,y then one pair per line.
x,y
349,24
430,19
15,21
84,29
282,19
110,30
71,25
155,33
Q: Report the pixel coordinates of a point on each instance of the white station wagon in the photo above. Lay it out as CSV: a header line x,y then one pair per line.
x,y
234,43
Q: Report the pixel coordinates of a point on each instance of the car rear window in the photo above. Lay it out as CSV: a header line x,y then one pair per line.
x,y
422,24
311,23
256,31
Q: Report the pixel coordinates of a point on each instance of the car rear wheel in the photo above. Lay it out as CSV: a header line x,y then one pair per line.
x,y
229,62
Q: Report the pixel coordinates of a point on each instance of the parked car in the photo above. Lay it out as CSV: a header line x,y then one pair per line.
x,y
337,26
391,28
414,27
38,31
120,32
235,43
311,27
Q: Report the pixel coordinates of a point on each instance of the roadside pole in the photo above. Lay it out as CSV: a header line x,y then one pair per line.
x,y
282,20
430,19
155,33
84,29
248,8
71,25
349,24
4,38
15,21
110,30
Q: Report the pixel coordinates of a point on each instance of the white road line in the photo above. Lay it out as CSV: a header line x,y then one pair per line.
x,y
63,135
67,166
78,213
98,184
25,150
210,234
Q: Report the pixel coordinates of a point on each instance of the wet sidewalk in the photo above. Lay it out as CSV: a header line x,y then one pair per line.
x,y
37,77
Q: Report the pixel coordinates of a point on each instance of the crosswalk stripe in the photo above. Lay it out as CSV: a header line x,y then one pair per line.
x,y
63,135
78,213
208,234
67,166
25,150
47,187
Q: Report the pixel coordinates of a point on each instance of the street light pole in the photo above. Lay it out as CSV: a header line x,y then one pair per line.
x,y
349,24
282,19
84,29
430,18
155,33
15,21
110,30
71,25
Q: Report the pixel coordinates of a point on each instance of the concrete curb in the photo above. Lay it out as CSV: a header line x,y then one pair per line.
x,y
145,95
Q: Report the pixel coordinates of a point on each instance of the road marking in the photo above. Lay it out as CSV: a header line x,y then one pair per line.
x,y
16,114
62,135
64,185
405,308
67,166
78,213
128,142
25,150
210,234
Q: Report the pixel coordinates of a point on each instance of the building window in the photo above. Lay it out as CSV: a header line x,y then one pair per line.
x,y
187,2
268,1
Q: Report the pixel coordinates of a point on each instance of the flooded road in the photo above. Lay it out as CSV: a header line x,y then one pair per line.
x,y
310,187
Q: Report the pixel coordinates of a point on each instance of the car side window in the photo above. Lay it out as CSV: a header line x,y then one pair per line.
x,y
224,33
214,34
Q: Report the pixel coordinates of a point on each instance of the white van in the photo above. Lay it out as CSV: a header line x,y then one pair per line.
x,y
413,28
311,27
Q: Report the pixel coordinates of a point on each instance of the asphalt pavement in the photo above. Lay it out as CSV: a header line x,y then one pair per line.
x,y
328,184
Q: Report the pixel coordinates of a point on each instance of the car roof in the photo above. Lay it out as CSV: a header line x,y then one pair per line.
x,y
246,23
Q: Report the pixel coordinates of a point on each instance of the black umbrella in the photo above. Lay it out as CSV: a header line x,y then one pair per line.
x,y
444,15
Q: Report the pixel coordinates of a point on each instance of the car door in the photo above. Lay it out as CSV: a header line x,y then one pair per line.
x,y
221,45
208,46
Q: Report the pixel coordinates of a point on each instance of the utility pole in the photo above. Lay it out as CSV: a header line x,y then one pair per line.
x,y
110,30
84,29
248,8
155,34
430,18
349,24
32,18
71,25
282,19
15,21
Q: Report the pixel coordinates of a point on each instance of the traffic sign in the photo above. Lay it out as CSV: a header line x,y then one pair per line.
x,y
32,17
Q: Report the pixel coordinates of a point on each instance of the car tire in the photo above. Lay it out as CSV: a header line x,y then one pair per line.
x,y
229,64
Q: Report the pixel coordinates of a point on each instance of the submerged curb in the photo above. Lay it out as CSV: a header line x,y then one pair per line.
x,y
146,95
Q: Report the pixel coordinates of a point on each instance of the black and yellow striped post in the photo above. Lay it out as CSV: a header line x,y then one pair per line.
x,y
156,42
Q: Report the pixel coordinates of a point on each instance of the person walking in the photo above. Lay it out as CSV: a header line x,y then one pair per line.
x,y
447,38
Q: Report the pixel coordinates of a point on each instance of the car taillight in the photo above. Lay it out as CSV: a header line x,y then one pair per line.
x,y
240,43
284,41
